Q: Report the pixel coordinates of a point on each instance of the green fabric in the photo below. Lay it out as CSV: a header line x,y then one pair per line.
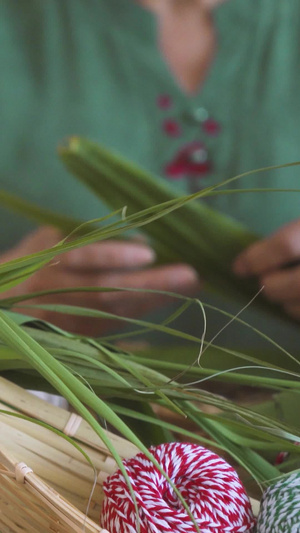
x,y
92,67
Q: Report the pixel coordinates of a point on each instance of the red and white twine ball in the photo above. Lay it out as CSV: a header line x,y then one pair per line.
x,y
208,484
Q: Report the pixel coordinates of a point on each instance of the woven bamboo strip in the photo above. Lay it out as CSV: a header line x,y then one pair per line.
x,y
48,461
17,398
48,437
35,506
16,498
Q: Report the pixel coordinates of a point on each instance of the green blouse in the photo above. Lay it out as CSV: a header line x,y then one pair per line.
x,y
93,68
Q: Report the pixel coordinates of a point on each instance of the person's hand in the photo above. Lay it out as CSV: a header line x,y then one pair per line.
x,y
104,264
275,260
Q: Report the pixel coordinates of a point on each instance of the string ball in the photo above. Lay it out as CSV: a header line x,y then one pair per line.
x,y
208,484
280,507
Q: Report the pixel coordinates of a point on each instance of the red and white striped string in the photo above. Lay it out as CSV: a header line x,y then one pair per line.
x,y
209,485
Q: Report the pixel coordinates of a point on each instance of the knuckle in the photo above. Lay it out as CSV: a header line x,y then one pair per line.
x,y
288,246
292,310
108,301
268,288
249,258
274,287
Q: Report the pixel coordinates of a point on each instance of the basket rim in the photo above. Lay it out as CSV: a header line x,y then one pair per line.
x,y
15,399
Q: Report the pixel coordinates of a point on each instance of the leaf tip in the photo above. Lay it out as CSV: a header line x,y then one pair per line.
x,y
69,144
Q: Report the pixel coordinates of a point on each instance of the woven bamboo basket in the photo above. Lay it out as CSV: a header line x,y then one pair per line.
x,y
45,483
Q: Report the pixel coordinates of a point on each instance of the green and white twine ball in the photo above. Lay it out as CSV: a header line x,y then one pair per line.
x,y
280,507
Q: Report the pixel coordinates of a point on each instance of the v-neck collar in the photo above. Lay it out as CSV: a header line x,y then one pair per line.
x,y
232,20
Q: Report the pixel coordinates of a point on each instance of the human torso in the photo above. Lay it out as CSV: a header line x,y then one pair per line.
x,y
93,68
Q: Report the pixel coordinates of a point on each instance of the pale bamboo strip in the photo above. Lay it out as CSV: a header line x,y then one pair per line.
x,y
255,506
78,498
16,397
10,526
21,499
50,438
66,514
35,516
65,511
59,515
48,463
81,503
24,518
73,488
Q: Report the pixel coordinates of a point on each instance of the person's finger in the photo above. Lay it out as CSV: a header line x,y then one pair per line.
x,y
103,255
108,255
293,309
132,304
80,325
179,278
282,285
42,238
273,252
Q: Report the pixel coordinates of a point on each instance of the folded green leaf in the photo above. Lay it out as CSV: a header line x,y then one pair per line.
x,y
38,214
196,234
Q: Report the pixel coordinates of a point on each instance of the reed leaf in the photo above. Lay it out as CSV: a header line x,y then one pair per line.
x,y
40,215
198,235
167,360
